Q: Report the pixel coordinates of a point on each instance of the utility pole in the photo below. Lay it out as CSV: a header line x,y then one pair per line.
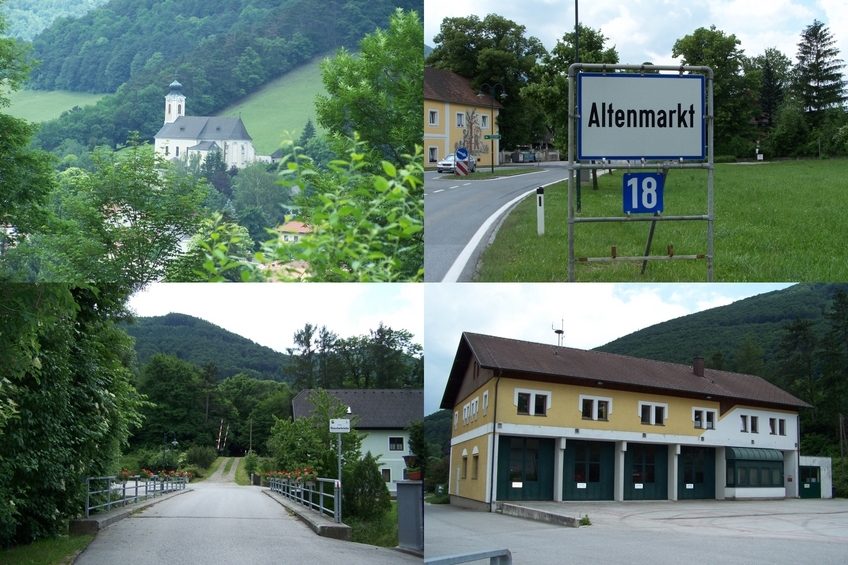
x,y
250,448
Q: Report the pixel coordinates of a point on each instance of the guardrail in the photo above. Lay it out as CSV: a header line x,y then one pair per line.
x,y
306,494
114,492
495,557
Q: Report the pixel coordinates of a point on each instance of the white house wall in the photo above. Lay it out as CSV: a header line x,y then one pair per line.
x,y
377,443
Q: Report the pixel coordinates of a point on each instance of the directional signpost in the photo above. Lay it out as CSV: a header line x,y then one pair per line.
x,y
339,426
641,119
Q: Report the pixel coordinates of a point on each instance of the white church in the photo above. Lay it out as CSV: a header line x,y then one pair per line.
x,y
183,135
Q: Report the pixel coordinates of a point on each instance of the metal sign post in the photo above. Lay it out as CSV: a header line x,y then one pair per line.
x,y
339,426
657,120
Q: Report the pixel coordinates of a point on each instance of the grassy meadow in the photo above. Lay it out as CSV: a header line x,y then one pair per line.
x,y
42,105
783,221
283,105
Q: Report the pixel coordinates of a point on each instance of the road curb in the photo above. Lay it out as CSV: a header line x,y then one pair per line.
x,y
95,523
319,523
537,515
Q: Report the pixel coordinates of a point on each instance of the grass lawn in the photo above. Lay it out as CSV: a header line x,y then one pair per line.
x,y
41,105
282,105
773,222
382,532
59,551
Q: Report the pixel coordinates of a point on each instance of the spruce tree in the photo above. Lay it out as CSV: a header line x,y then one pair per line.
x,y
818,76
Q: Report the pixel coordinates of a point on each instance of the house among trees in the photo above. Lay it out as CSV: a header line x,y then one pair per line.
x,y
456,116
536,422
183,135
384,415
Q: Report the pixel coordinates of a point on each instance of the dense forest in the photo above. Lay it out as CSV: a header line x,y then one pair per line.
x,y
134,49
29,17
199,342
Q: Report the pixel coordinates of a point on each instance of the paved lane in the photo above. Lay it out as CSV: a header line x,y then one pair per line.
x,y
454,211
221,523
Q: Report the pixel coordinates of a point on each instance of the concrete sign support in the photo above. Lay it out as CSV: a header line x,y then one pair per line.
x,y
657,120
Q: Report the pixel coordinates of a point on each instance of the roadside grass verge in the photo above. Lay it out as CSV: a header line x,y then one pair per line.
x,y
58,551
382,532
773,222
242,477
228,466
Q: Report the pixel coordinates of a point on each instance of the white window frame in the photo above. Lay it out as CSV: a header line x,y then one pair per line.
x,y
704,419
460,119
484,121
485,402
531,408
595,400
433,154
781,423
433,118
383,474
744,419
455,418
402,442
755,424
653,405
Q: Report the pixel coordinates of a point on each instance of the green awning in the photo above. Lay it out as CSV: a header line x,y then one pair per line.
x,y
752,454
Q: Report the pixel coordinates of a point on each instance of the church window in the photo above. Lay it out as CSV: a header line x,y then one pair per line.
x,y
169,108
178,150
179,109
167,150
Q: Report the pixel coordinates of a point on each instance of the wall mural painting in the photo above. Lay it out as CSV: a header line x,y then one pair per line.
x,y
472,135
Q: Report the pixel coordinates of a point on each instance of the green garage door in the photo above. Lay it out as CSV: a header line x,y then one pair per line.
x,y
646,472
696,473
588,470
525,468
810,482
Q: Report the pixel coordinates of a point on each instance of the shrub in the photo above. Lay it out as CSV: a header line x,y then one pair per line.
x,y
364,492
251,462
200,456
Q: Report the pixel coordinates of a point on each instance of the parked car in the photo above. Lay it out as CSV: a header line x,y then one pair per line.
x,y
447,164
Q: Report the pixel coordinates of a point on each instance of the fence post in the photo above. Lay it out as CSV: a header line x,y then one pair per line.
x,y
109,493
337,502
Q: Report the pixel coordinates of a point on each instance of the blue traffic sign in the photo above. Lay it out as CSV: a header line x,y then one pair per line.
x,y
462,154
643,193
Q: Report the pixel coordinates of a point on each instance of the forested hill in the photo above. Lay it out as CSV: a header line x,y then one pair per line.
x,y
27,18
200,342
725,329
219,51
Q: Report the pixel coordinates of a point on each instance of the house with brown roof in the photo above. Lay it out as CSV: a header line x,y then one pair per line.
x,y
455,115
533,421
384,415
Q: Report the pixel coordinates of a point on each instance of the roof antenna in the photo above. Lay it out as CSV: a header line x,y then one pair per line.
x,y
559,332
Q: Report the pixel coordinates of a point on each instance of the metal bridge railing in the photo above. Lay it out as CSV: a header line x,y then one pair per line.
x,y
495,557
315,495
106,492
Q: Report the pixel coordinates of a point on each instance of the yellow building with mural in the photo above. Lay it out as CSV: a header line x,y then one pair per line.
x,y
456,116
536,422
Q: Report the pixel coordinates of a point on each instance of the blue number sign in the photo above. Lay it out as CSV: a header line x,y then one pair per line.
x,y
643,193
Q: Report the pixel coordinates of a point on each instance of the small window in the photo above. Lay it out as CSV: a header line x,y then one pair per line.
x,y
659,418
646,413
433,119
755,425
455,419
710,420
485,402
464,467
167,150
387,475
540,404
773,426
395,444
603,410
699,419
475,463
433,154
178,151
588,408
782,426
744,423
523,403
460,120
484,122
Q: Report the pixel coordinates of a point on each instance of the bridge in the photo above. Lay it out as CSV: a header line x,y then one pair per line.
x,y
218,521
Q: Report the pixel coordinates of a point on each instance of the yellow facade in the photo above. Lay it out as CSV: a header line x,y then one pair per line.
x,y
449,126
471,460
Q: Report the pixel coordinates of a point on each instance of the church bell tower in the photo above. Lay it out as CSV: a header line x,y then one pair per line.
x,y
174,103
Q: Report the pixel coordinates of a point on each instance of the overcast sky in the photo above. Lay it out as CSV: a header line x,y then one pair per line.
x,y
269,314
594,314
645,30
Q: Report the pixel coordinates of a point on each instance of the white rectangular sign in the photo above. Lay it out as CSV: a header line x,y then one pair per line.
x,y
339,426
633,116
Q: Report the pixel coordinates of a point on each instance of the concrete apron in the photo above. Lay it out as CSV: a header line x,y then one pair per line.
x,y
810,519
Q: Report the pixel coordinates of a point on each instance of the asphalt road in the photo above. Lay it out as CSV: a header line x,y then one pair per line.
x,y
219,522
666,533
455,210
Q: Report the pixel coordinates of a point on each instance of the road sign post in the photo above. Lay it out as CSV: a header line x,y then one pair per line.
x,y
339,426
647,119
460,163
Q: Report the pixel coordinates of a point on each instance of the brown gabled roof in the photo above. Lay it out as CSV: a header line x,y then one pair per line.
x,y
447,86
614,371
377,408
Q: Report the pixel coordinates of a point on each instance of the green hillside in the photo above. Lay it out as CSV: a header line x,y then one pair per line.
x,y
41,105
200,342
760,318
282,105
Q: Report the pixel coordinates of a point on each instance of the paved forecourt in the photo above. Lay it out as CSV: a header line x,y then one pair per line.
x,y
220,522
661,533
